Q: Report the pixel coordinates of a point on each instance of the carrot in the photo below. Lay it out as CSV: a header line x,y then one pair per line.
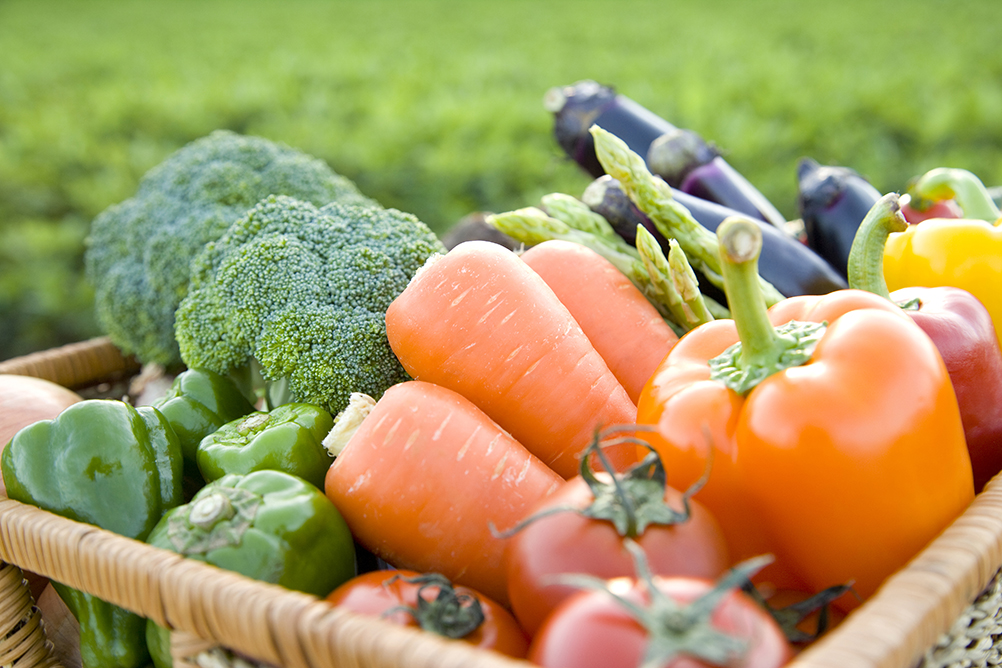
x,y
422,478
626,330
479,321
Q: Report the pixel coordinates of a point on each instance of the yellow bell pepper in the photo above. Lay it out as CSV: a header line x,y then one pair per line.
x,y
960,252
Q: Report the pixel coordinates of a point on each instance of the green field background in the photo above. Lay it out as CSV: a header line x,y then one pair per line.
x,y
435,106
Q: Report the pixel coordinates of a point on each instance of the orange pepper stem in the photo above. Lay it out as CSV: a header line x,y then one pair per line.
x,y
763,349
740,245
866,257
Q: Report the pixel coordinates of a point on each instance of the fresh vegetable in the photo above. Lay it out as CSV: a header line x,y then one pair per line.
x,y
687,161
644,265
480,322
575,108
267,525
299,295
198,403
287,438
833,202
957,323
25,400
430,602
836,438
786,263
960,186
582,527
654,197
139,250
915,211
111,465
653,621
963,253
629,333
422,477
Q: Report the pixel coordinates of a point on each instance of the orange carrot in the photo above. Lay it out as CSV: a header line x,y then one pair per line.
x,y
479,321
626,330
423,477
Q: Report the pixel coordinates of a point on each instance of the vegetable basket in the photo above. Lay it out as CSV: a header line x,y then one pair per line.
x,y
943,609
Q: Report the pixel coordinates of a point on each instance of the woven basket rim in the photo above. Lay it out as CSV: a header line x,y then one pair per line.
x,y
893,629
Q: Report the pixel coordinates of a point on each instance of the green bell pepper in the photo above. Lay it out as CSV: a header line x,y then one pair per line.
x,y
288,438
198,403
109,464
267,525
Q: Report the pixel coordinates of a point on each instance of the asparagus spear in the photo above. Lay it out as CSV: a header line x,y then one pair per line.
x,y
654,197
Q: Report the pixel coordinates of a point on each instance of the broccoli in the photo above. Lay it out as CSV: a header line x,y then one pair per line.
x,y
300,293
139,250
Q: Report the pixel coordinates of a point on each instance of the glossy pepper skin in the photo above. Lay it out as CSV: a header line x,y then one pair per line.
x,y
288,438
843,466
961,253
959,325
266,525
198,403
111,465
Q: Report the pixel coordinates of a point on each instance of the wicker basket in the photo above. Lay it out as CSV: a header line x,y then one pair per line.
x,y
942,609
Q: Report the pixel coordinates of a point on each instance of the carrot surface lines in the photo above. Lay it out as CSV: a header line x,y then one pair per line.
x,y
466,445
438,432
499,468
455,302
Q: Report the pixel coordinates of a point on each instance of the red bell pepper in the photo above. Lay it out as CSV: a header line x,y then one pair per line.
x,y
960,326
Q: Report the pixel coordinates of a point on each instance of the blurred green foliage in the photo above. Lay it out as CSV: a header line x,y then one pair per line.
x,y
434,106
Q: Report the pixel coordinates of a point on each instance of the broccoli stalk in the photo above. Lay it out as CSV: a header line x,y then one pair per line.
x,y
138,251
298,295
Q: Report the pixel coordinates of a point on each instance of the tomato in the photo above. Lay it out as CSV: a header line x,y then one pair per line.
x,y
570,542
591,629
377,592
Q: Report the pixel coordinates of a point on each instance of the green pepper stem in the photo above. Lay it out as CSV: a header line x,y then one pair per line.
x,y
210,510
961,185
740,245
866,257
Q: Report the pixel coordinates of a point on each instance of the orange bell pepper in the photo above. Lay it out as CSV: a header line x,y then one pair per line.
x,y
832,431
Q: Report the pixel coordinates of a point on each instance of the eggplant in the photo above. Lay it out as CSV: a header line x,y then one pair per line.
x,y
793,268
681,157
833,202
688,162
575,108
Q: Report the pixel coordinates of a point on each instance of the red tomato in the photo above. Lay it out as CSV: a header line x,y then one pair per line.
x,y
569,542
591,629
376,592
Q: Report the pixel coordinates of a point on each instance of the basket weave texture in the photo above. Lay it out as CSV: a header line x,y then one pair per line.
x,y
943,609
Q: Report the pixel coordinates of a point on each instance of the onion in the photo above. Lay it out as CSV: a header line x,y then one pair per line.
x,y
23,401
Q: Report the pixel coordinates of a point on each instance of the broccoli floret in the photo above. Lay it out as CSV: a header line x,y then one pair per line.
x,y
300,294
139,250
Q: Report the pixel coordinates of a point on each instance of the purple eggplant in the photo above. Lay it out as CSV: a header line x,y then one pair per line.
x,y
792,267
575,108
681,157
688,162
833,202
